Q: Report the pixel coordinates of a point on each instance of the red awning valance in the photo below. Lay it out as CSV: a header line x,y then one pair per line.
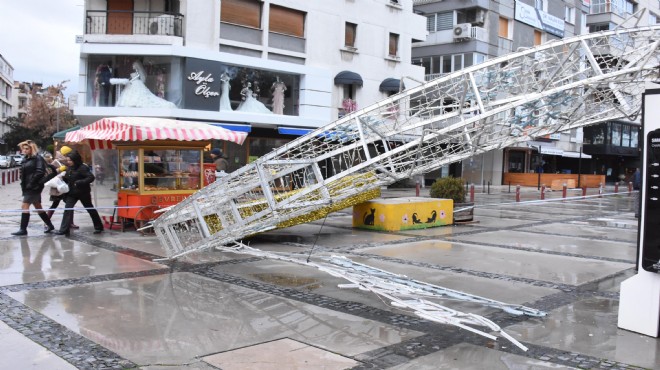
x,y
103,132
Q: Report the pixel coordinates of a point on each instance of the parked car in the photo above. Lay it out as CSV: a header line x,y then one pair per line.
x,y
18,159
6,161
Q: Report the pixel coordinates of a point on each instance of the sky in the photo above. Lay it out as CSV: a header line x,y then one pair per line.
x,y
39,40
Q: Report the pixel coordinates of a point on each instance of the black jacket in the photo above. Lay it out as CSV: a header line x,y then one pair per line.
x,y
79,176
32,171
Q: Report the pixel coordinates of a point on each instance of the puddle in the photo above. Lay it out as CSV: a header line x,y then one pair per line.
x,y
287,280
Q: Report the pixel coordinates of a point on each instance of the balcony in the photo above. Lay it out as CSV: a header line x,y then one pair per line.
x,y
121,22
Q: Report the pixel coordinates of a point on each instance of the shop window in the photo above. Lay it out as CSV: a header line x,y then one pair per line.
x,y
634,137
286,21
259,146
625,136
516,161
159,74
616,134
241,12
393,45
350,34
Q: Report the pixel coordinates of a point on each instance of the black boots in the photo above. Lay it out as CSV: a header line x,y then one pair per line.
x,y
49,225
25,219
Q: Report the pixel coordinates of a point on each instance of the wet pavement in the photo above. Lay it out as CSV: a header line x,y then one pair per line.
x,y
100,301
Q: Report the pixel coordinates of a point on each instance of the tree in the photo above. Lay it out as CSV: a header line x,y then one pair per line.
x,y
47,114
19,132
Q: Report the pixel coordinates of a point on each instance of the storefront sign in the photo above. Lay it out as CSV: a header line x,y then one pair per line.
x,y
201,84
551,150
167,199
539,19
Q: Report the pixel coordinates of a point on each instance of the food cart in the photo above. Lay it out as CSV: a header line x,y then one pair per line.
x,y
159,161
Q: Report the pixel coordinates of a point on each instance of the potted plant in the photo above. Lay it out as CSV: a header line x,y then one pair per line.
x,y
453,188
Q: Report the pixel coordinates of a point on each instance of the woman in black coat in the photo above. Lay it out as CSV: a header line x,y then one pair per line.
x,y
33,171
79,178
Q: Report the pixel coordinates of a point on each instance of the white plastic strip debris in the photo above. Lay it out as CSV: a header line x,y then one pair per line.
x,y
405,293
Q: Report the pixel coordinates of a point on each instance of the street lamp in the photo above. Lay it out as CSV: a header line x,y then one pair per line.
x,y
57,104
539,163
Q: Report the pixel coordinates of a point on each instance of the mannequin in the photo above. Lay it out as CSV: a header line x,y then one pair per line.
x,y
102,84
278,90
136,94
249,103
225,104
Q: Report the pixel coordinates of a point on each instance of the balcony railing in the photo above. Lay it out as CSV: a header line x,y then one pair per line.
x,y
123,22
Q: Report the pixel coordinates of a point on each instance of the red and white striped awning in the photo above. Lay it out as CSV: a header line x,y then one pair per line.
x,y
103,132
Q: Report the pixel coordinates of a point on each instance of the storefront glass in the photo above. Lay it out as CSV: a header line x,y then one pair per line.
x,y
134,81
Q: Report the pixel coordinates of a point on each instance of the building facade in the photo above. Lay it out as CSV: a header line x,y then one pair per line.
x,y
273,68
465,33
6,87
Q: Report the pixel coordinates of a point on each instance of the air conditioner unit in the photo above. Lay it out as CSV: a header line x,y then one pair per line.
x,y
462,31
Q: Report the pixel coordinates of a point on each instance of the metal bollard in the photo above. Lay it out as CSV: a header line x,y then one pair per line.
x,y
563,190
3,179
616,187
542,191
584,191
630,188
517,193
417,189
472,193
600,190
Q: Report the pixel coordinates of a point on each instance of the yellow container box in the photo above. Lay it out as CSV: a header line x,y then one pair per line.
x,y
394,214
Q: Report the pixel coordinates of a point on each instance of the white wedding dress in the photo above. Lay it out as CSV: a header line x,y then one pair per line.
x,y
252,105
225,104
135,93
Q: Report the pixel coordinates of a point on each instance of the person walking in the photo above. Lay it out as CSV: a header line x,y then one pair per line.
x,y
220,161
33,170
79,178
56,167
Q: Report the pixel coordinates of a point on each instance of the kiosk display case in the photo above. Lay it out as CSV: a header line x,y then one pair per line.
x,y
152,176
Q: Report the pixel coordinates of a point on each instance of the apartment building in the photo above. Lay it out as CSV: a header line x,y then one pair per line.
x,y
274,68
463,33
6,87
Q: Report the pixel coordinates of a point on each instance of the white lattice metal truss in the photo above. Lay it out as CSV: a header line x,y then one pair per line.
x,y
551,88
554,87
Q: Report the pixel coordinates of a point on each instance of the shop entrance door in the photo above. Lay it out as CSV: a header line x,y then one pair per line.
x,y
120,17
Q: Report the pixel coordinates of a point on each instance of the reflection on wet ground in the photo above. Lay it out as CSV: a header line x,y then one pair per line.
x,y
101,302
203,316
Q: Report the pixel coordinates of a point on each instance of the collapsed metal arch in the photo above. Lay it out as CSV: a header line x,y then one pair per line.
x,y
557,86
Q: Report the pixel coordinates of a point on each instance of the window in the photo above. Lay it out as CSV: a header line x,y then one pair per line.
x,y
616,134
242,12
599,27
350,33
653,19
440,21
503,30
286,21
626,136
569,15
538,37
634,134
394,45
